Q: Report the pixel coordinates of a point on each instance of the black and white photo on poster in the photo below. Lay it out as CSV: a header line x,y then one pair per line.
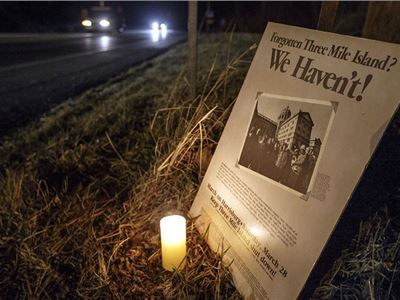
x,y
285,139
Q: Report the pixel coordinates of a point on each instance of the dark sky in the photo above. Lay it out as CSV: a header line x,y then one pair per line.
x,y
143,13
248,16
61,15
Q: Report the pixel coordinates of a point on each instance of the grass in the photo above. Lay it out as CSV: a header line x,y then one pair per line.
x,y
82,190
369,268
84,187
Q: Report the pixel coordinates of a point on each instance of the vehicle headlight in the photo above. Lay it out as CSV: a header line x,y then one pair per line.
x,y
87,23
154,26
104,23
163,27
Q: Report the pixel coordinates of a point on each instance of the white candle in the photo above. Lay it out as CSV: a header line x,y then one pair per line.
x,y
173,242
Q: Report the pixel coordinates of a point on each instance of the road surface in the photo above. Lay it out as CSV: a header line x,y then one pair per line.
x,y
39,71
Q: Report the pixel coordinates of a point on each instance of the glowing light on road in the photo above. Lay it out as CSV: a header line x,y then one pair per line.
x,y
155,35
87,23
105,42
158,31
104,23
163,29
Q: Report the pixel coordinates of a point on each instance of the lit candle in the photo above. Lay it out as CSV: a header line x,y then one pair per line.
x,y
173,242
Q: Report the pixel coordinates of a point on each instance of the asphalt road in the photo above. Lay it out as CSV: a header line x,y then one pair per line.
x,y
39,71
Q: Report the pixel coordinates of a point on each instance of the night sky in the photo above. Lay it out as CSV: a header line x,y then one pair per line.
x,y
62,16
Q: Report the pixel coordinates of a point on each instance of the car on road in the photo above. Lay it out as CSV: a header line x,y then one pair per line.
x,y
103,19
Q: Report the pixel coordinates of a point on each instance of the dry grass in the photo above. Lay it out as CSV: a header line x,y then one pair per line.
x,y
370,267
84,188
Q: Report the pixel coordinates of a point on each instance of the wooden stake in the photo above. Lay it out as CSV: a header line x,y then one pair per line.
x,y
382,21
192,48
327,15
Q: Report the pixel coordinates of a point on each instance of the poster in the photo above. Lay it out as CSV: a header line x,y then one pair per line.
x,y
309,116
